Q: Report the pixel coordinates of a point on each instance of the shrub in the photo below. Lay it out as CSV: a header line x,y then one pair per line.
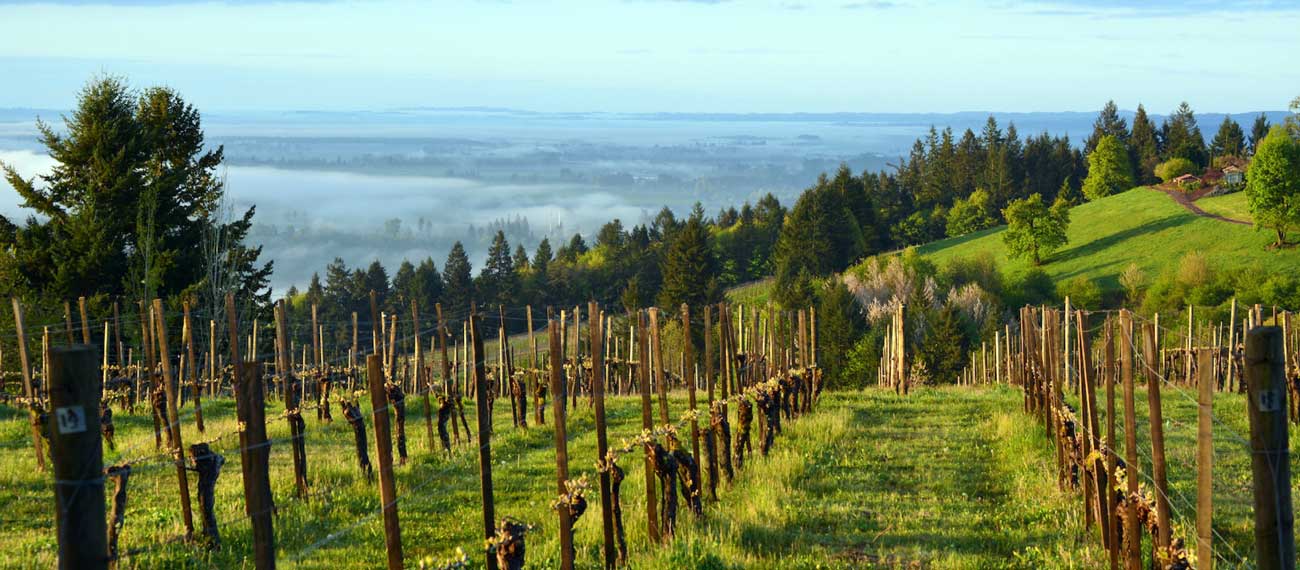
x,y
1030,287
1084,293
1134,280
1173,168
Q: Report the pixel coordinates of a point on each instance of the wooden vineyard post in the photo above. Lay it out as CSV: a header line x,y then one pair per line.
x,y
561,450
1204,463
28,390
67,321
536,365
688,375
191,368
1133,538
85,320
1271,453
596,328
1232,345
647,423
77,451
174,424
384,452
292,404
484,432
1156,422
423,385
711,438
450,389
1108,353
255,455
661,383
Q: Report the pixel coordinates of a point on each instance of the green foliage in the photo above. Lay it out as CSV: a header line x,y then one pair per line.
x,y
1030,286
1083,293
690,272
134,208
458,282
946,345
1144,147
1109,169
1174,167
1033,229
821,235
1182,137
1230,140
1273,184
971,215
839,322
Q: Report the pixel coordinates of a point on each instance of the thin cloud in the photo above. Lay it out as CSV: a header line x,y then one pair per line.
x,y
874,5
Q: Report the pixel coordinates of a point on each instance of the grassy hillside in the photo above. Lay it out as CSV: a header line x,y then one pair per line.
x,y
1141,226
1230,206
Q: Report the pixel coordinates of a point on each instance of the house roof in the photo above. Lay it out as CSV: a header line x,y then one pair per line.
x,y
1232,168
1186,178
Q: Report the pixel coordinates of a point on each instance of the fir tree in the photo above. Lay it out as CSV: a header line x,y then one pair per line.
x,y
1258,130
1183,137
1144,147
688,268
458,283
1229,141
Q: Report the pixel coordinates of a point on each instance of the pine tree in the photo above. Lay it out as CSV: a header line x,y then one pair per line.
x,y
1229,141
377,280
1109,170
1183,137
498,284
839,323
1144,147
429,283
542,256
689,270
135,193
1108,123
458,283
1258,130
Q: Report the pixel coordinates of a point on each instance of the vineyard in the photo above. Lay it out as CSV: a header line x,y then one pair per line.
x,y
701,439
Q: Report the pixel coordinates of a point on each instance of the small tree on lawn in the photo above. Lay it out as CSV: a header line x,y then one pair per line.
x,y
1273,183
1109,169
1033,229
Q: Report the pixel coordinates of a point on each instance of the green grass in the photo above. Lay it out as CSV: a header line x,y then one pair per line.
x,y
948,478
1141,226
753,293
1232,206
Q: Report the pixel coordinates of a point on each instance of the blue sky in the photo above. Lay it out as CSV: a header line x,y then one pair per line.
x,y
662,55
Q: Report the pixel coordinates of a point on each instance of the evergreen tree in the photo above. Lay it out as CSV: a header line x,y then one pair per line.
x,y
946,345
1144,147
1109,170
840,323
1183,137
405,287
542,256
690,272
134,195
1108,123
498,284
315,292
429,283
458,283
520,260
1258,130
1229,141
377,280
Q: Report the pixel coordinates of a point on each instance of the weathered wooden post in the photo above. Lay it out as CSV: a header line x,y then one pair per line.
x,y
384,453
484,432
256,454
192,368
1133,538
1271,453
292,403
661,381
1205,463
596,328
561,450
1157,425
77,451
174,423
647,423
28,390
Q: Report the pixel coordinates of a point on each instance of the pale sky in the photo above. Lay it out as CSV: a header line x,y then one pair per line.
x,y
662,55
